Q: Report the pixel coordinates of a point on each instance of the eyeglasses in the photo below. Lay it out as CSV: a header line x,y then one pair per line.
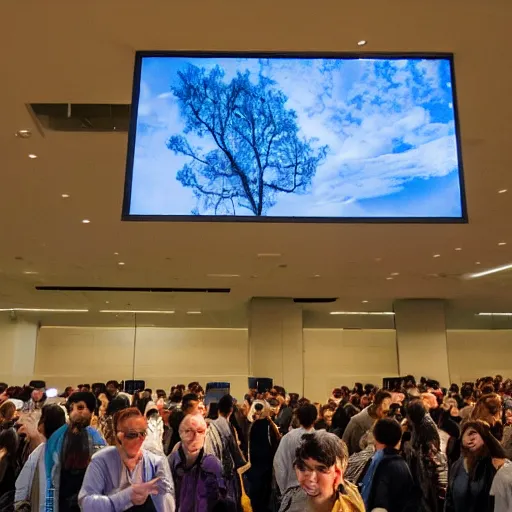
x,y
191,433
130,435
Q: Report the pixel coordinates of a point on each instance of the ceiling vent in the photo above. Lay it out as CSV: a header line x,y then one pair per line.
x,y
82,117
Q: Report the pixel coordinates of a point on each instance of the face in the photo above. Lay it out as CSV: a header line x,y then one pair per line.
x,y
508,416
201,409
383,410
111,389
318,481
365,401
131,435
472,440
328,417
37,395
193,433
80,415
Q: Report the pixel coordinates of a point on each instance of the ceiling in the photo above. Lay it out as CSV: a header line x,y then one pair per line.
x,y
59,51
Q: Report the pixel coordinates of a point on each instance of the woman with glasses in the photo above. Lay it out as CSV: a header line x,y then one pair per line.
x,y
127,477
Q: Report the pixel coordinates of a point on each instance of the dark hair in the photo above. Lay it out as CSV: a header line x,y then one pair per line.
x,y
125,414
337,393
307,415
280,390
415,411
226,405
148,390
483,429
9,441
160,393
52,418
213,411
487,389
7,411
3,387
188,400
454,388
387,431
323,447
176,396
466,392
113,383
380,396
117,404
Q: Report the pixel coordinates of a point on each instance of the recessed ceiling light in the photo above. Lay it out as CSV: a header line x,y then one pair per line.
x,y
389,278
502,243
121,263
458,248
32,156
30,272
23,134
316,276
494,314
107,302
502,191
363,313
193,312
477,263
64,196
86,221
394,274
222,275
361,43
436,256
364,302
138,311
116,254
494,270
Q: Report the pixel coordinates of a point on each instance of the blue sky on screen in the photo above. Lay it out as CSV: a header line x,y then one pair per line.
x,y
389,126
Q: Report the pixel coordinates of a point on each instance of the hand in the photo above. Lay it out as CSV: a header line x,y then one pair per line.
x,y
140,492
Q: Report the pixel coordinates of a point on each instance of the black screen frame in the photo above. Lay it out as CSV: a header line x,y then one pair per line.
x,y
140,55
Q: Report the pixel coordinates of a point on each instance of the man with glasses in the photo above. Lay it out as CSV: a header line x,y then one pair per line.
x,y
127,477
197,476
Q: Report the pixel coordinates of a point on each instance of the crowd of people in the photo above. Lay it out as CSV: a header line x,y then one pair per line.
x,y
411,447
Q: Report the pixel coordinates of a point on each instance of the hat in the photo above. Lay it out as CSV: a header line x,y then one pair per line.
x,y
37,384
82,396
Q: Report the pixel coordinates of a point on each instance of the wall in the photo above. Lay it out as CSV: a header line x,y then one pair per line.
x,y
336,357
475,353
163,356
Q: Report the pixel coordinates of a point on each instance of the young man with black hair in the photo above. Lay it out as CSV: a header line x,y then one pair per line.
x,y
362,422
387,485
283,461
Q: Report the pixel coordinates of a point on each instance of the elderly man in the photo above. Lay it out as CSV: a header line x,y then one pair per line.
x,y
197,476
68,453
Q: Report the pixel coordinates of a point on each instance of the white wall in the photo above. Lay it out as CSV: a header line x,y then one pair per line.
x,y
337,357
163,356
476,353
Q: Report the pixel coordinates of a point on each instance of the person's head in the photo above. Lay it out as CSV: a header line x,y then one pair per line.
x,y
454,389
415,411
320,461
190,403
176,396
67,392
7,411
327,412
489,409
160,393
52,418
85,388
307,415
117,404
9,443
38,390
387,433
382,403
112,388
201,409
81,407
364,401
130,428
507,416
192,433
451,405
466,393
478,441
429,401
226,405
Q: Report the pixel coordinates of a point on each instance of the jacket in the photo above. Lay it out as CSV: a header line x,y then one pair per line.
x,y
100,490
392,486
501,488
357,427
155,431
26,481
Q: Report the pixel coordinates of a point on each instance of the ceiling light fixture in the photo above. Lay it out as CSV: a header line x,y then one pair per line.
x,y
458,248
436,256
121,263
364,302
502,191
116,254
139,311
222,275
395,274
494,314
502,243
389,278
30,272
64,196
86,221
24,134
363,313
488,272
32,156
45,310
361,43
477,263
194,312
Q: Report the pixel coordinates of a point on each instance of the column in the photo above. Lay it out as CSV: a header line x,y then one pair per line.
x,y
18,341
275,342
421,339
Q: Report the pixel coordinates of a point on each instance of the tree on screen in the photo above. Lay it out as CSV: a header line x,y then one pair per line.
x,y
255,151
